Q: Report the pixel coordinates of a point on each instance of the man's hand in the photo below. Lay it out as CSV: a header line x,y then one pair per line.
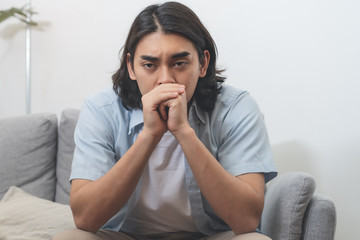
x,y
155,104
178,114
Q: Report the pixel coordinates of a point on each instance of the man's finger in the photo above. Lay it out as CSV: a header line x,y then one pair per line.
x,y
163,111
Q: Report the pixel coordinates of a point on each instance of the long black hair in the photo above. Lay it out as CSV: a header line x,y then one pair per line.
x,y
169,18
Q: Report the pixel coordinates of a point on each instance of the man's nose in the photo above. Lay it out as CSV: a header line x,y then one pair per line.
x,y
165,76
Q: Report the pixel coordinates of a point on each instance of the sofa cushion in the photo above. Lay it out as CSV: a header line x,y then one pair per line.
x,y
28,147
286,200
65,154
23,216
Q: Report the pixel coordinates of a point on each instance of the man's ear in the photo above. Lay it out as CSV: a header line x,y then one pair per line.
x,y
204,63
130,67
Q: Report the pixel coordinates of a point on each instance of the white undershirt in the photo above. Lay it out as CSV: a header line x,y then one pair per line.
x,y
163,205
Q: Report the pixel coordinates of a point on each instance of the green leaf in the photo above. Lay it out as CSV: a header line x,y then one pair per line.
x,y
32,23
19,13
4,15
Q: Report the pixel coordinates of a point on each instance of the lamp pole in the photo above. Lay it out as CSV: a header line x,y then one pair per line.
x,y
28,62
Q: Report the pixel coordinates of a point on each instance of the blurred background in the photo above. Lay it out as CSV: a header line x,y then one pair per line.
x,y
299,59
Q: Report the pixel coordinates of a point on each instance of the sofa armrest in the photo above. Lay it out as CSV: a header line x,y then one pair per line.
x,y
286,200
320,219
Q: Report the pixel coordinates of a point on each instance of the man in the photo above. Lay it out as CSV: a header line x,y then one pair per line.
x,y
169,153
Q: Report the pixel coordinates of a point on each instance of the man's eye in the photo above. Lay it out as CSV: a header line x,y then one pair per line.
x,y
148,65
180,64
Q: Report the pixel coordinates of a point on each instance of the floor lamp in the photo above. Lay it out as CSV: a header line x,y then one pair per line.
x,y
28,62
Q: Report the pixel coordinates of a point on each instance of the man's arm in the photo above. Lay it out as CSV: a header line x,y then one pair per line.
x,y
237,200
93,203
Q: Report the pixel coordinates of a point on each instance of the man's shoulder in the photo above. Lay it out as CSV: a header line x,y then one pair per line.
x,y
103,98
235,103
229,94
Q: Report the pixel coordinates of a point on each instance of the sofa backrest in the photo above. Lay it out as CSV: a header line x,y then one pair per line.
x,y
65,154
28,146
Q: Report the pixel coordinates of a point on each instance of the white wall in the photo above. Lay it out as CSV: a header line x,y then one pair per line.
x,y
299,59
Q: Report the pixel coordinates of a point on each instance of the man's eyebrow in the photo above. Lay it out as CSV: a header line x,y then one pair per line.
x,y
149,58
174,56
180,55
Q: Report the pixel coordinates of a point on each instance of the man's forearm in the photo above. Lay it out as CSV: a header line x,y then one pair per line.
x,y
94,203
237,200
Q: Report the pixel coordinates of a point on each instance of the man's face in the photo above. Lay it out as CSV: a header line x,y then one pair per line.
x,y
167,58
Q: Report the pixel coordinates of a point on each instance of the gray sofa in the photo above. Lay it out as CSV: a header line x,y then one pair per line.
x,y
36,154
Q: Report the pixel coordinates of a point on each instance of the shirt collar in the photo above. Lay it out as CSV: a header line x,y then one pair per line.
x,y
196,113
136,118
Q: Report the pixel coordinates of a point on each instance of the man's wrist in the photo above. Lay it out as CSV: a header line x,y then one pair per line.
x,y
149,137
184,134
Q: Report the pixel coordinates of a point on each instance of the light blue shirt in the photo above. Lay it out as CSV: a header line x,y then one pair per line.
x,y
234,132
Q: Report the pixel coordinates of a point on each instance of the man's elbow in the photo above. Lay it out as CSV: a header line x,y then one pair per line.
x,y
245,225
85,224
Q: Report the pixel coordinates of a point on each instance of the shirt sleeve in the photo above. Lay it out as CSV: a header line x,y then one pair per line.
x,y
244,143
94,153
